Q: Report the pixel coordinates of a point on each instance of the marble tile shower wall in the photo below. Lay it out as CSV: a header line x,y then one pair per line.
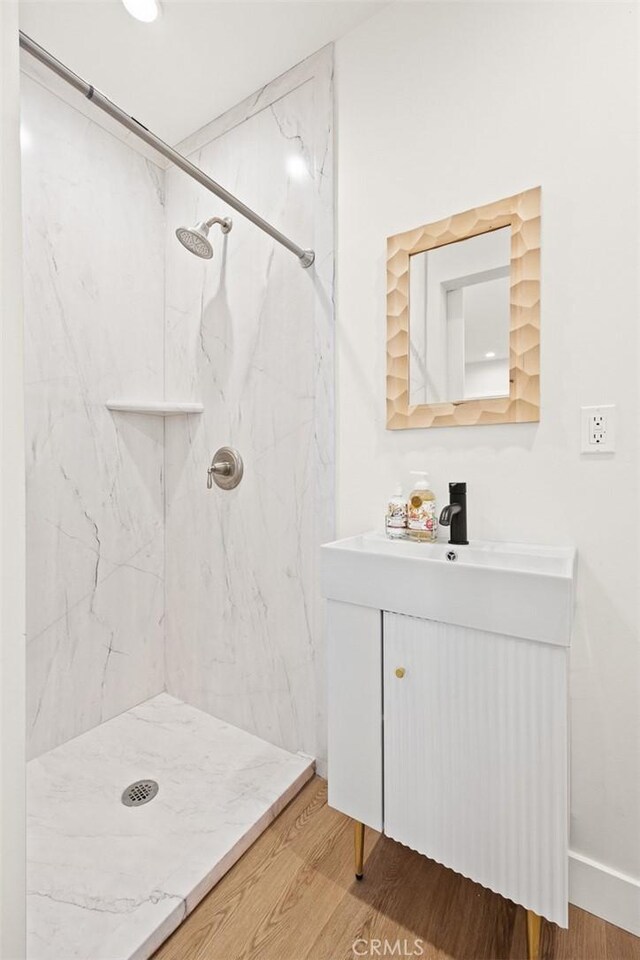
x,y
94,259
250,335
236,627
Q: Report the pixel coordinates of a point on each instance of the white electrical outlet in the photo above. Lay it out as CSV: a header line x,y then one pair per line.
x,y
598,429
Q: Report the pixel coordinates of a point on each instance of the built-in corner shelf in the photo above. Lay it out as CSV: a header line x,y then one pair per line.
x,y
154,408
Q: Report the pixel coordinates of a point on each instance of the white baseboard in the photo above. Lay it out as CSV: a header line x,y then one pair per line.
x,y
604,892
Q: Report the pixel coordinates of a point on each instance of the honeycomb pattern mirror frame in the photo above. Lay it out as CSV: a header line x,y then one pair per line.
x,y
522,213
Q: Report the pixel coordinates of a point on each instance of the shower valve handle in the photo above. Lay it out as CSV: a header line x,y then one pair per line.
x,y
226,469
222,469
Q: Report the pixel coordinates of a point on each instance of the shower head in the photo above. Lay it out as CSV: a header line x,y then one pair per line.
x,y
195,239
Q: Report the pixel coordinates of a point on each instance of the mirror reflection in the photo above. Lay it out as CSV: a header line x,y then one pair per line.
x,y
459,320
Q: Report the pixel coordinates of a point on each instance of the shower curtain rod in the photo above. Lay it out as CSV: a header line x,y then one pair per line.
x,y
306,257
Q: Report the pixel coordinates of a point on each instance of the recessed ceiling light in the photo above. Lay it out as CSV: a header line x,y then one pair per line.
x,y
145,10
490,354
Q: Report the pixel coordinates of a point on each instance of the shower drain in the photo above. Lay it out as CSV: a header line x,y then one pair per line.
x,y
142,791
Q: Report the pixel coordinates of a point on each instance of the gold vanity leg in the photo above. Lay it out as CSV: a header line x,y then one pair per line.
x,y
359,848
534,923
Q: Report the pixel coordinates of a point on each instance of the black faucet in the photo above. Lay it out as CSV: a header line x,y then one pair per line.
x,y
455,513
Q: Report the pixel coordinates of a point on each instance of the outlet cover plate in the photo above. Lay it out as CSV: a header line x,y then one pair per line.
x,y
597,429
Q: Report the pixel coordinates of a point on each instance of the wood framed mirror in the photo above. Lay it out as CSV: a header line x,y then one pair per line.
x,y
463,318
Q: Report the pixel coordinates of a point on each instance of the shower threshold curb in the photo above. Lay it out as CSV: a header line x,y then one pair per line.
x,y
191,901
112,882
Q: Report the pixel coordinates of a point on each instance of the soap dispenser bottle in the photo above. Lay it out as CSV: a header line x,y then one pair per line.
x,y
422,518
395,522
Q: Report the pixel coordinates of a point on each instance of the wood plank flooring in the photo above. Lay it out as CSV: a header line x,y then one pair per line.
x,y
293,896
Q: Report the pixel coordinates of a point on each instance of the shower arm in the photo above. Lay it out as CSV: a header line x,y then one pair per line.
x,y
306,257
225,223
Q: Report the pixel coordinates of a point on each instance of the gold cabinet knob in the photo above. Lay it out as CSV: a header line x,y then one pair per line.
x,y
400,672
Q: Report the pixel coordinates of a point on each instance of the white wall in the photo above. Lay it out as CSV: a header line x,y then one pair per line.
x,y
443,107
12,510
93,214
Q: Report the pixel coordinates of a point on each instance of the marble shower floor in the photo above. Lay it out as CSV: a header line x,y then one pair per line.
x,y
109,882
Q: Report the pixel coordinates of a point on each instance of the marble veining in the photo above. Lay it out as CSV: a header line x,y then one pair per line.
x,y
251,334
139,579
109,882
94,269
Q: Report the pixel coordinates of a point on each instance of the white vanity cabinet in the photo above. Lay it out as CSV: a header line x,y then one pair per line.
x,y
450,738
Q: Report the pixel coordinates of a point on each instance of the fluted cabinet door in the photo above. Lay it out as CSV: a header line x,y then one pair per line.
x,y
475,757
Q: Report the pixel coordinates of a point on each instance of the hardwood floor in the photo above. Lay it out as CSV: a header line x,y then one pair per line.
x,y
293,896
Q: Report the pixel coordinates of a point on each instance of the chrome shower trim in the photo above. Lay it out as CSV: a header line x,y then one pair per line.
x,y
196,239
226,469
226,223
306,257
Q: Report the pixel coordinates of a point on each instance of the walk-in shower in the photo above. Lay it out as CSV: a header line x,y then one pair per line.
x,y
196,239
173,615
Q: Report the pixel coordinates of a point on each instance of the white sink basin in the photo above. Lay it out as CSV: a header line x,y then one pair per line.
x,y
522,590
